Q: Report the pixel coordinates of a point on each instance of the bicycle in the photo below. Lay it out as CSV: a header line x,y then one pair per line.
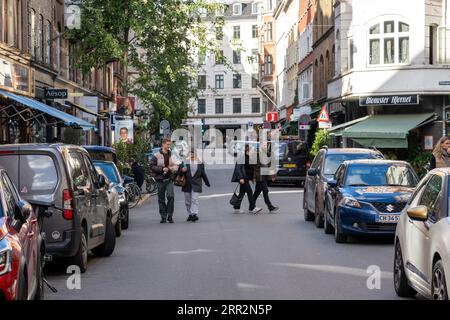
x,y
150,185
134,194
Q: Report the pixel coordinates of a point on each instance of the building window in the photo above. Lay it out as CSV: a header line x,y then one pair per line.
x,y
237,105
201,106
269,65
219,33
236,57
40,46
201,82
237,9
254,80
254,8
58,49
269,32
10,22
237,81
351,55
389,43
219,106
32,34
236,32
219,81
201,59
254,31
304,86
220,10
256,105
219,57
269,5
48,42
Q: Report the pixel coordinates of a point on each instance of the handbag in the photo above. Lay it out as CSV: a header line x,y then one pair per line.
x,y
180,180
235,200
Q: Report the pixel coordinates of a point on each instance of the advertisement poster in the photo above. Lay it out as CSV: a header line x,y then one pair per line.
x,y
124,131
125,106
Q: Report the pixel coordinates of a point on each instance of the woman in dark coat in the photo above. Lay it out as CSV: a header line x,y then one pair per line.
x,y
195,174
243,173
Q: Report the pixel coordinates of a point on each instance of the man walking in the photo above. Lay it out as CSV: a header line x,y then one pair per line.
x,y
261,178
163,167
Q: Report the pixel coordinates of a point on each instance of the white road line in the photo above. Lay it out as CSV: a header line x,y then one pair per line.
x,y
334,269
191,251
211,196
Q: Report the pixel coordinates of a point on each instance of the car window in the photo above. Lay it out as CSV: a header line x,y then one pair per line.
x,y
380,175
78,171
317,160
10,197
432,197
333,161
339,177
109,171
91,169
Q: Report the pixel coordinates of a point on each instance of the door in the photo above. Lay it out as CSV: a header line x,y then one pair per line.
x,y
310,184
334,194
419,232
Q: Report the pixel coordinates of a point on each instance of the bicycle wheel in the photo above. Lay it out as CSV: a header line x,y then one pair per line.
x,y
134,195
151,186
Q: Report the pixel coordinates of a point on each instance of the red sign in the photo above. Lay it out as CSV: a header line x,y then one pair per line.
x,y
323,116
272,116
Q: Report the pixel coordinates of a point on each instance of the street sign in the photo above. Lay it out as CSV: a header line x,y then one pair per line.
x,y
325,125
304,119
323,116
164,124
304,127
250,123
272,116
53,93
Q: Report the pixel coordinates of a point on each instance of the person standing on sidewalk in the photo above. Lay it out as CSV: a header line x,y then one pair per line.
x,y
195,175
243,173
261,178
163,167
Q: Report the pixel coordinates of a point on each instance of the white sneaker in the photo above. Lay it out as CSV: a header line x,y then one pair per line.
x,y
238,211
256,210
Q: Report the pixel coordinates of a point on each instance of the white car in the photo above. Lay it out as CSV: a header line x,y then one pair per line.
x,y
422,240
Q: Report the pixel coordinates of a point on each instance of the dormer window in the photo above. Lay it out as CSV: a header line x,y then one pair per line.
x,y
254,8
237,9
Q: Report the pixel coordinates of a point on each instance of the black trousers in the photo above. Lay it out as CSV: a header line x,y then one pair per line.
x,y
261,186
246,189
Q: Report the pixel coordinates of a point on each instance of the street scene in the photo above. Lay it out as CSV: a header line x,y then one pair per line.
x,y
224,150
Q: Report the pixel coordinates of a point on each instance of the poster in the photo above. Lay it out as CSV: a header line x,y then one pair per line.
x,y
124,131
125,106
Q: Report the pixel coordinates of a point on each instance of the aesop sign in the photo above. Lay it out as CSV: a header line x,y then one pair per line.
x,y
51,93
388,100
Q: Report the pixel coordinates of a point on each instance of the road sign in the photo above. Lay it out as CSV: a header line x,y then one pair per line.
x,y
304,119
250,123
272,116
53,93
323,116
304,127
325,125
164,124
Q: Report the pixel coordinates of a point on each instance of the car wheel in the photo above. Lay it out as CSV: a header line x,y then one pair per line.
x,y
22,293
125,218
402,288
118,227
318,217
39,295
438,285
308,215
81,258
339,237
327,227
107,247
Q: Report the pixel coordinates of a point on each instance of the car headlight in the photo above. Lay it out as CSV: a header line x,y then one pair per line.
x,y
351,202
5,261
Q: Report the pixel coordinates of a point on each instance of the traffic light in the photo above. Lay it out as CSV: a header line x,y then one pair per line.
x,y
203,126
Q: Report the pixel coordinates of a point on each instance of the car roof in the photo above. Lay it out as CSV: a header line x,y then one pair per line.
x,y
350,150
375,162
99,148
40,146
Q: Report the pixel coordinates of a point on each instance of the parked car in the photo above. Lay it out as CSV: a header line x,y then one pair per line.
x,y
322,170
422,240
21,244
112,173
367,196
292,162
62,179
101,153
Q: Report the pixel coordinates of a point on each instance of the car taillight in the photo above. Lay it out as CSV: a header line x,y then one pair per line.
x,y
308,165
67,204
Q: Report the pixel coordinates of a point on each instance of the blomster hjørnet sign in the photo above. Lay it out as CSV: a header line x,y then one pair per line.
x,y
389,100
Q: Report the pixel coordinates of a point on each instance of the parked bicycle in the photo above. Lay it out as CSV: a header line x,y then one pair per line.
x,y
133,191
150,185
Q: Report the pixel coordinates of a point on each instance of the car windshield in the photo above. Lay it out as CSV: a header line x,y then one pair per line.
x,y
380,175
109,170
101,155
333,161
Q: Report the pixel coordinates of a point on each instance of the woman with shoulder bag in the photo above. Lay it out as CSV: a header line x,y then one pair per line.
x,y
194,171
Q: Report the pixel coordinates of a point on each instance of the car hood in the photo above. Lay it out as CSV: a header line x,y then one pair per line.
x,y
379,193
3,229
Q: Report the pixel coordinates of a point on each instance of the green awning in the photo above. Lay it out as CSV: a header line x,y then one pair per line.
x,y
386,130
337,130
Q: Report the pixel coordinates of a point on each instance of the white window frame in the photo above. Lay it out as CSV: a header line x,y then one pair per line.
x,y
305,80
396,35
254,8
239,11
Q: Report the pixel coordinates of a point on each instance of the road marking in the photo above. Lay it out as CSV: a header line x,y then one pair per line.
x,y
211,196
191,251
248,286
334,269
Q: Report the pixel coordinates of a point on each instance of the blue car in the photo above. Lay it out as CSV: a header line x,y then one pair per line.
x,y
366,197
113,175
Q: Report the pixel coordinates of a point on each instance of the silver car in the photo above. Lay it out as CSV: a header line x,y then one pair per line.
x,y
422,240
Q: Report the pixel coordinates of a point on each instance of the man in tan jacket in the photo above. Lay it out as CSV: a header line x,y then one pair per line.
x,y
163,167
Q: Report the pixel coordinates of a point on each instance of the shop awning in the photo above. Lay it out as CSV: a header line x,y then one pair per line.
x,y
66,118
386,131
84,109
337,130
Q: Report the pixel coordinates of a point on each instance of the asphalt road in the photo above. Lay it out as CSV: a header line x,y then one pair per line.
x,y
227,255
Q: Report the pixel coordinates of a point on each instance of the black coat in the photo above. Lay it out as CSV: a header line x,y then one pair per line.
x,y
194,180
243,171
138,173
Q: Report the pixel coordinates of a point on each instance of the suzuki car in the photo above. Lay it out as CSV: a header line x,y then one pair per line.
x,y
367,196
422,240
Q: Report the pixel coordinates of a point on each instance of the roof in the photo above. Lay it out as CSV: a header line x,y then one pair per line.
x,y
99,148
24,146
350,150
375,161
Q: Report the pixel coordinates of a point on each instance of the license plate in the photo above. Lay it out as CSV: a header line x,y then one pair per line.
x,y
388,218
290,165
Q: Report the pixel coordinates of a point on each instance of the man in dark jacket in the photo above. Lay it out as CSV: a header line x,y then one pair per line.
x,y
138,173
243,173
261,178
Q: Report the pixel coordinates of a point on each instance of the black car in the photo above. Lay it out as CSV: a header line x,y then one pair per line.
x,y
322,170
292,161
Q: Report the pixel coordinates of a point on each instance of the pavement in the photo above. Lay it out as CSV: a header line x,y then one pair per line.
x,y
227,255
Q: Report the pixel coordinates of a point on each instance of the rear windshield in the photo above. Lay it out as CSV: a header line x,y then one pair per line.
x,y
110,172
31,174
102,156
333,161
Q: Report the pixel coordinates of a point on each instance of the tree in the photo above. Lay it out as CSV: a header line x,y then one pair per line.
x,y
321,139
159,38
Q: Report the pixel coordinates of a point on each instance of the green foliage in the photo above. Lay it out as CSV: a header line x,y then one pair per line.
x,y
417,156
136,151
321,139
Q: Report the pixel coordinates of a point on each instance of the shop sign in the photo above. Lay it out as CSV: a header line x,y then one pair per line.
x,y
388,100
52,93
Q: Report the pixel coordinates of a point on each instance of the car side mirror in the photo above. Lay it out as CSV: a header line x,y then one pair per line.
x,y
313,172
332,183
419,213
101,181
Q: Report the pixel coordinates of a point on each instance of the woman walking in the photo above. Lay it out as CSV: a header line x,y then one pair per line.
x,y
194,171
243,173
440,157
